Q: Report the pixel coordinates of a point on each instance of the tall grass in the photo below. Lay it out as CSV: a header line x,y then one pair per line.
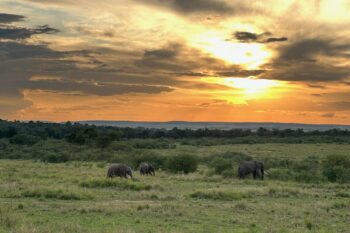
x,y
115,183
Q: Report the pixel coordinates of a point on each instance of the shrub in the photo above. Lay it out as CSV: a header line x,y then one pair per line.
x,y
104,141
55,158
336,168
220,165
24,139
230,173
182,163
158,161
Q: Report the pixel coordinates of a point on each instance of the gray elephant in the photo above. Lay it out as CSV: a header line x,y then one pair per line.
x,y
255,168
147,169
120,170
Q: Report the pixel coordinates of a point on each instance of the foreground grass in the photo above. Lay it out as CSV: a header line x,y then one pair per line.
x,y
76,197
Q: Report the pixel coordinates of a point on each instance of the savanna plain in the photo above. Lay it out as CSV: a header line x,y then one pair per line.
x,y
76,196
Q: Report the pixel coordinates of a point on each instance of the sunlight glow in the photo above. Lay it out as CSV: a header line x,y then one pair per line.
x,y
247,88
250,55
250,86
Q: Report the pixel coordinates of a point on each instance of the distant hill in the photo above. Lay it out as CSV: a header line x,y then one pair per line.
x,y
215,125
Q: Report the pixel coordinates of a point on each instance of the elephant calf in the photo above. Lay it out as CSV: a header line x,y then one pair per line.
x,y
147,169
120,170
251,167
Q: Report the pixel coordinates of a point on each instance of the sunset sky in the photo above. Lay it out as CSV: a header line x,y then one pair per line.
x,y
165,60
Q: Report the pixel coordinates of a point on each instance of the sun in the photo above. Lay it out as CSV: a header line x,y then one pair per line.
x,y
250,86
243,89
249,55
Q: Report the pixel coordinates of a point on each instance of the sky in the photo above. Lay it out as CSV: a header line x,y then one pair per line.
x,y
175,60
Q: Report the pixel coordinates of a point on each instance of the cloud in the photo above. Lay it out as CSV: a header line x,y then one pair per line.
x,y
14,33
162,53
310,60
240,73
276,39
14,50
298,104
185,6
328,115
318,86
195,6
250,37
10,18
308,49
304,71
182,60
94,88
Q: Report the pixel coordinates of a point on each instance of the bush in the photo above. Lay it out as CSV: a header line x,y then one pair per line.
x,y
220,165
103,141
24,139
229,173
336,168
158,161
55,158
182,163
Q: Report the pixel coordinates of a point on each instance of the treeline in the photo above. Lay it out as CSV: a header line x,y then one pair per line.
x,y
28,133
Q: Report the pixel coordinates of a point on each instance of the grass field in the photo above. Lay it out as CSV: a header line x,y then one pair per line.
x,y
76,197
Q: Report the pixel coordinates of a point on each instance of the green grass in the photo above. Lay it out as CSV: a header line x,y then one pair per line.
x,y
77,197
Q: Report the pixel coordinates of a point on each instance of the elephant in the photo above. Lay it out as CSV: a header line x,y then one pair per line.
x,y
251,167
147,169
120,170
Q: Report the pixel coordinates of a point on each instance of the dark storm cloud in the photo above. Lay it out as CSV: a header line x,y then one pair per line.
x,y
14,33
10,18
250,37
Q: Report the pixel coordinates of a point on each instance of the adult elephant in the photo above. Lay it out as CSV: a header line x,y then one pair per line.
x,y
120,170
255,168
147,169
